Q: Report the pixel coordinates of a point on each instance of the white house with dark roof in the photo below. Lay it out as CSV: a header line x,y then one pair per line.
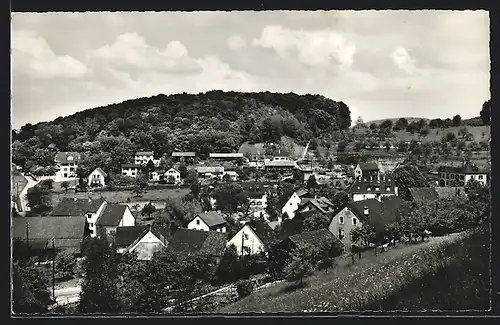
x,y
290,202
130,170
67,163
143,157
367,170
114,216
90,209
143,240
226,155
172,174
321,204
365,188
252,238
97,178
208,221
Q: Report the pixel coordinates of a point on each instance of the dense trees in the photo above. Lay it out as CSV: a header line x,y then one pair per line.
x,y
408,176
485,113
213,121
31,293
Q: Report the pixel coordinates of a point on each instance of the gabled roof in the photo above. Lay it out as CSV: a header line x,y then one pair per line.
x,y
212,218
321,204
131,166
371,166
262,230
112,215
175,169
449,192
125,236
379,213
285,197
313,238
302,192
273,224
184,154
67,157
255,194
362,185
68,232
423,193
144,153
188,241
100,171
78,207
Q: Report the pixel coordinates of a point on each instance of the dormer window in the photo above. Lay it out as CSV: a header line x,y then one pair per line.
x,y
388,189
368,188
377,188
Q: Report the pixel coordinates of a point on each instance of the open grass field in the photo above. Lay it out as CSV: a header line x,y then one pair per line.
x,y
124,196
437,134
57,186
456,268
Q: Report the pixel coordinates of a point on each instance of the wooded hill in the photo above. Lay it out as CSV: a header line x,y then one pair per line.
x,y
206,122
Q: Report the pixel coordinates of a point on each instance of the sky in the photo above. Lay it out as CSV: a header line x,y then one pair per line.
x,y
382,64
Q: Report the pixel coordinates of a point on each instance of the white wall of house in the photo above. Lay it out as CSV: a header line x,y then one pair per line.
x,y
251,241
481,178
174,173
68,170
198,224
358,172
131,172
96,177
148,238
128,219
142,160
154,176
291,206
259,202
366,196
92,218
342,224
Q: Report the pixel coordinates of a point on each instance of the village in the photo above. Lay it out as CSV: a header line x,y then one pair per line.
x,y
254,198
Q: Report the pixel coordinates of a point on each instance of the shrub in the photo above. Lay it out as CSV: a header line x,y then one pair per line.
x,y
244,288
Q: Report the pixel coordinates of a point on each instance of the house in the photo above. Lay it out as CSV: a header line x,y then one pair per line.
x,y
367,170
258,203
130,170
460,175
68,232
190,241
89,209
67,163
188,154
154,176
226,156
208,221
374,212
251,151
143,240
365,188
253,238
97,178
310,239
172,176
280,164
143,157
321,204
209,171
290,202
114,216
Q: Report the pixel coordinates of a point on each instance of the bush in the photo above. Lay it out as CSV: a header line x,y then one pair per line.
x,y
244,288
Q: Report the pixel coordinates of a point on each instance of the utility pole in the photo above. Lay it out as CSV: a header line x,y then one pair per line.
x,y
27,234
53,269
242,240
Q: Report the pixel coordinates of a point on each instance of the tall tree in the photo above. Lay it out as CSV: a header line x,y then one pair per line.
x,y
99,288
230,197
457,120
485,113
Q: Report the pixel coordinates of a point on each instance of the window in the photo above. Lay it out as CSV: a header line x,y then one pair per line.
x,y
341,220
377,188
197,221
112,231
89,215
480,176
368,188
388,189
91,225
354,221
341,233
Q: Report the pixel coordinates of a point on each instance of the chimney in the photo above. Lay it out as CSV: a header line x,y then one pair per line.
x,y
366,211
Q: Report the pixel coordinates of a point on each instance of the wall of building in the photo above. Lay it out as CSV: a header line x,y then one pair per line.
x,y
92,218
346,226
198,224
96,177
128,219
253,242
131,172
481,178
291,206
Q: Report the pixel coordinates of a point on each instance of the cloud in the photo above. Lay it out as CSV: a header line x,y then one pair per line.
x,y
403,60
236,42
32,55
314,48
130,51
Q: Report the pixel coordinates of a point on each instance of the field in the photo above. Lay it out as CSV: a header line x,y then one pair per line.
x,y
57,186
437,134
452,269
124,196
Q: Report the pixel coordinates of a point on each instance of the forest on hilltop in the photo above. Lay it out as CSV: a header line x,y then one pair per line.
x,y
215,121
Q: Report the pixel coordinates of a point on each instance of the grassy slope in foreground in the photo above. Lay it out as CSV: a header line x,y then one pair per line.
x,y
446,273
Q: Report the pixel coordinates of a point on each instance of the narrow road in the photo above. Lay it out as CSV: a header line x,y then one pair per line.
x,y
22,195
